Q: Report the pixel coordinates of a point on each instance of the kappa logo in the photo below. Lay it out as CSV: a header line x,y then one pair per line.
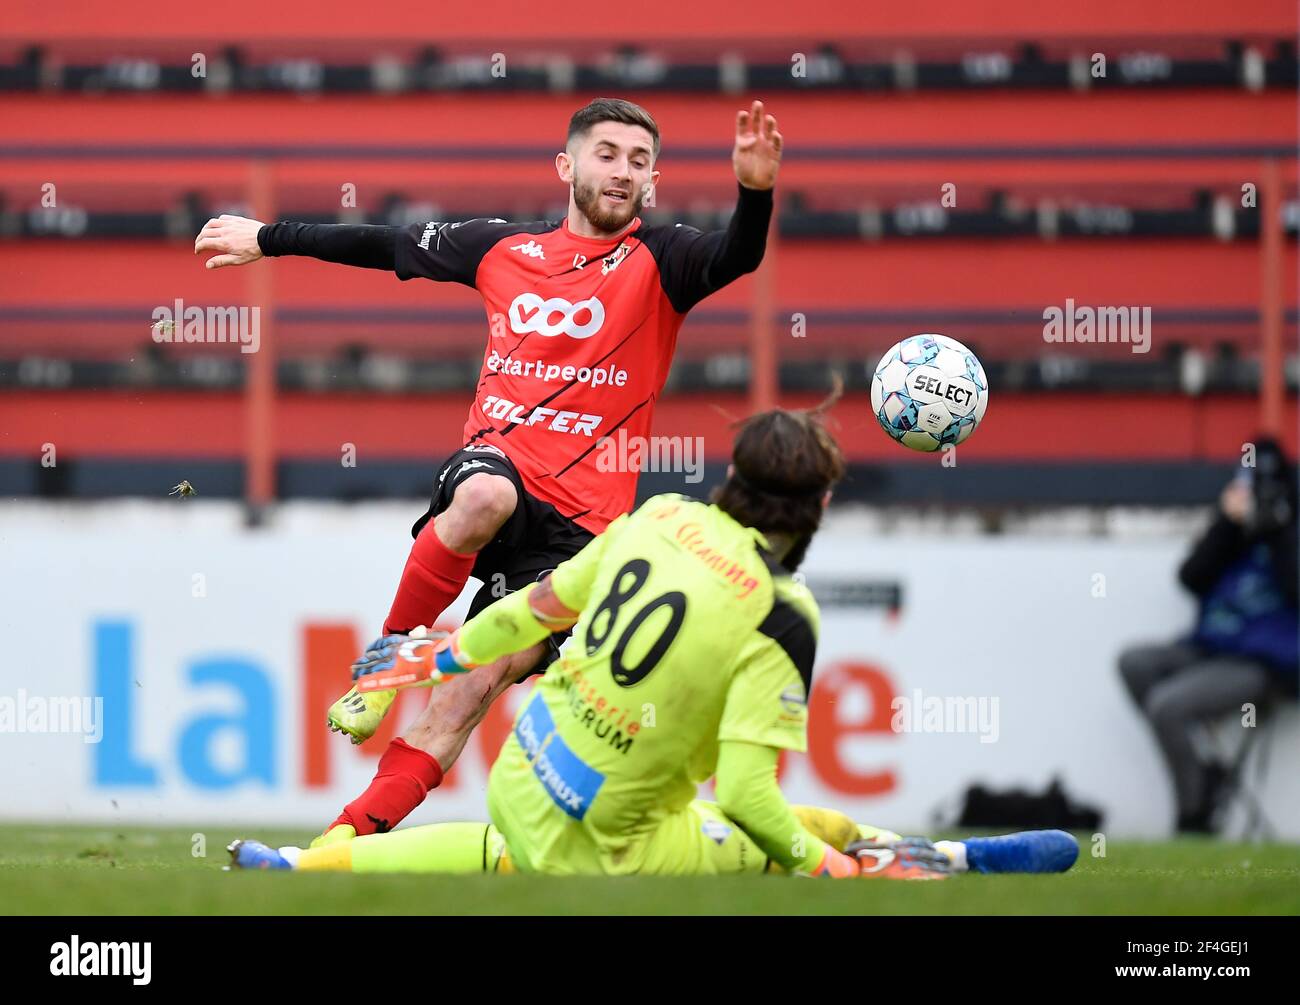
x,y
531,250
555,316
484,448
467,466
470,466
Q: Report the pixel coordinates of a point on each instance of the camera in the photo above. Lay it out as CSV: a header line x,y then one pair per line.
x,y
1274,489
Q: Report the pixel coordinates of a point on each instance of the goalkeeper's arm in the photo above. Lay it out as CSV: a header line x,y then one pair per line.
x,y
522,619
749,795
510,625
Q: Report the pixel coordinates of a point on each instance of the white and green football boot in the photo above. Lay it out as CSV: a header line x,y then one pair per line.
x,y
359,715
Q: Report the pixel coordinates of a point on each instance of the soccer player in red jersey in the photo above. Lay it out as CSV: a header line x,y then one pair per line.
x,y
583,316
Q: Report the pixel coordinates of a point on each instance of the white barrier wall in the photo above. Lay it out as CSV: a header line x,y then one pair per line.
x,y
215,651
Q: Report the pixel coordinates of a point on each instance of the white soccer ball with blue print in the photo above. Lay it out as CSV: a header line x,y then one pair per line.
x,y
929,391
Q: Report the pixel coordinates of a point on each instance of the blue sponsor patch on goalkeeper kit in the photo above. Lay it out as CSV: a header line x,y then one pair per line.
x,y
571,783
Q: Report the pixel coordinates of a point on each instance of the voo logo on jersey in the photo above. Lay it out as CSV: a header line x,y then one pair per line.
x,y
556,316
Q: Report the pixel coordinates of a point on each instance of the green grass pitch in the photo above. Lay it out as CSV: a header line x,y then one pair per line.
x,y
47,869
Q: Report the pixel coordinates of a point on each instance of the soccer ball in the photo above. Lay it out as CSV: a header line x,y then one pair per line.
x,y
929,391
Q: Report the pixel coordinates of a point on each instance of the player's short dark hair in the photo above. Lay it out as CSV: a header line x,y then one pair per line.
x,y
612,110
783,463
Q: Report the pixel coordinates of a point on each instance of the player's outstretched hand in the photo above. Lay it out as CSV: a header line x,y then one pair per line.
x,y
234,238
757,154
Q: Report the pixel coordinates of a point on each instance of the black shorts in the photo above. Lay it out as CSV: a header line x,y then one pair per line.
x,y
532,542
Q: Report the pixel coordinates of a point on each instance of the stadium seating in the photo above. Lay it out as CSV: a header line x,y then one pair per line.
x,y
1123,190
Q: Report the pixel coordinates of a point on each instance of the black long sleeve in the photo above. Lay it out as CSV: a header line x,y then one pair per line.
x,y
362,245
1220,546
693,264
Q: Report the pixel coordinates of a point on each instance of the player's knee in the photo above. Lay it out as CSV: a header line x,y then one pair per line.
x,y
479,507
1165,704
1140,668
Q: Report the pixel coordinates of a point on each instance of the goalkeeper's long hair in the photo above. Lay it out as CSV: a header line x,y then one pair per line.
x,y
782,465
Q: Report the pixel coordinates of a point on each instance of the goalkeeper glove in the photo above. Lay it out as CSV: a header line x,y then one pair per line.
x,y
420,659
908,858
379,655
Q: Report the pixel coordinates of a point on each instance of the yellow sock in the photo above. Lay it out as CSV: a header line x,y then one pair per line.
x,y
335,857
339,832
453,848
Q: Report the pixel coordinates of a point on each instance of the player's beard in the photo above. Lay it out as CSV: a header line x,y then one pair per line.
x,y
586,196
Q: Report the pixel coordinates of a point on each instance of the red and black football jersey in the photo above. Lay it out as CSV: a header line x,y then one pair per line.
x,y
581,334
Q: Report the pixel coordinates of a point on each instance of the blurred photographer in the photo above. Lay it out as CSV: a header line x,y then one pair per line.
x,y
1246,644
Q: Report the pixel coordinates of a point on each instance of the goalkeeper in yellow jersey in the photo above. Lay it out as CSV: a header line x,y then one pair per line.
x,y
691,658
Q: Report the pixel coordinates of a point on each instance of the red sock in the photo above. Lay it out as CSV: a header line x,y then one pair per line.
x,y
433,578
404,777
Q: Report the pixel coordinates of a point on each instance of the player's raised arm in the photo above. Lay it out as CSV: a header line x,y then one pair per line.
x,y
756,157
443,252
694,264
